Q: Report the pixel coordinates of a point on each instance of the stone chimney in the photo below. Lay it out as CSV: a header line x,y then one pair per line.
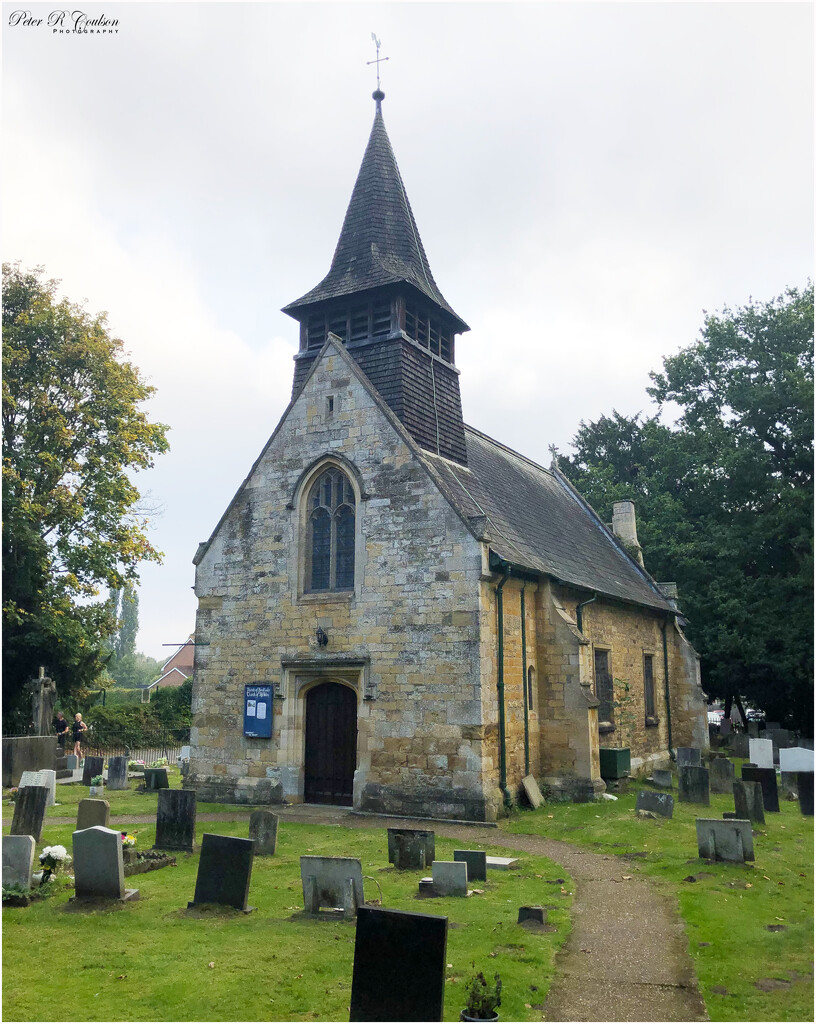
x,y
625,528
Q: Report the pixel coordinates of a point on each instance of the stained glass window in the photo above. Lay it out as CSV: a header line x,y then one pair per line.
x,y
330,555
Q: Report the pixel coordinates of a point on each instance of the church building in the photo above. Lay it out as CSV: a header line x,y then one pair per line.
x,y
398,613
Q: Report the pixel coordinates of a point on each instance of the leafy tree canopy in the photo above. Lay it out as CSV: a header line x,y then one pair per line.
x,y
73,432
725,496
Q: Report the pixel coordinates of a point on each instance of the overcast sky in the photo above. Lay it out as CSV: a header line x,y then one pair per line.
x,y
587,179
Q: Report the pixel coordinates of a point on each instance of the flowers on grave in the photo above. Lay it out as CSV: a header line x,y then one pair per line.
x,y
136,766
128,840
96,780
482,997
160,762
52,858
13,794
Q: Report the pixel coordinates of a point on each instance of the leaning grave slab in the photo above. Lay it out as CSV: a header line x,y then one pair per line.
x,y
729,839
29,811
224,871
333,882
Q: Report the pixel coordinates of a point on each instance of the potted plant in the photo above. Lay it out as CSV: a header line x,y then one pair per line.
x,y
128,848
482,997
52,858
97,789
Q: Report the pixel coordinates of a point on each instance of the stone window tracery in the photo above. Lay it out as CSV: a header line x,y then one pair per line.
x,y
331,507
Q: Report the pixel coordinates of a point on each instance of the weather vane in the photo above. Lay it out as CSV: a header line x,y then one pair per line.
x,y
378,60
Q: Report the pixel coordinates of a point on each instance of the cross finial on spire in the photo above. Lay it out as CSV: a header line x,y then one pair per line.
x,y
379,95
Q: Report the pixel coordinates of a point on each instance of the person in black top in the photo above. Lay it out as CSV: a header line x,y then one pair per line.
x,y
62,730
77,729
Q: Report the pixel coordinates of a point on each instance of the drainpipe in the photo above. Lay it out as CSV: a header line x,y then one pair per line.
x,y
524,686
672,753
505,568
579,618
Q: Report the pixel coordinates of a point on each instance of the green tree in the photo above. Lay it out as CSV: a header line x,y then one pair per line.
x,y
725,496
73,432
129,621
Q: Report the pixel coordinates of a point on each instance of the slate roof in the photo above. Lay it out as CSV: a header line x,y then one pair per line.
x,y
536,520
379,243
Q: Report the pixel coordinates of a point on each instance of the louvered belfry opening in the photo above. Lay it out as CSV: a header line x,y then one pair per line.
x,y
380,299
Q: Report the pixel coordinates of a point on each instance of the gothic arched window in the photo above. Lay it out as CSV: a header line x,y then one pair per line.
x,y
330,533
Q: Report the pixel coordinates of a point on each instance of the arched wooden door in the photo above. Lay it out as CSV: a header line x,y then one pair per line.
x,y
331,744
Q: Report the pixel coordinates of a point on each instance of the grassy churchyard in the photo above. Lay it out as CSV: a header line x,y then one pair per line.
x,y
749,927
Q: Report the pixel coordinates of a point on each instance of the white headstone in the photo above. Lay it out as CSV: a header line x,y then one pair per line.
x,y
760,753
98,868
185,753
46,777
795,759
18,860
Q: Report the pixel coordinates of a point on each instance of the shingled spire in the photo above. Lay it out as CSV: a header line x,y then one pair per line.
x,y
380,298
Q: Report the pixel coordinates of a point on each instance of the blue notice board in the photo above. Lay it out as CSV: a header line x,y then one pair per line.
x,y
258,710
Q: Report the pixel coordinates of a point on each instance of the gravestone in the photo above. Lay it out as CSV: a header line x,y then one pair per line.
x,y
224,871
738,744
45,777
175,820
72,761
29,811
117,773
753,730
780,738
409,852
761,753
429,842
692,785
766,777
93,766
91,812
501,863
450,877
185,753
400,962
476,861
748,802
662,778
721,775
18,860
725,727
156,778
332,882
532,791
730,839
536,914
98,869
689,755
263,828
657,803
804,782
787,785
796,759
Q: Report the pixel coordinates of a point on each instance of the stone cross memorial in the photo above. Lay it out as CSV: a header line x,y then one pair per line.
x,y
175,820
721,775
426,837
92,811
335,882
98,868
18,860
748,803
93,766
692,785
263,829
224,871
476,861
657,803
689,755
118,773
400,962
46,777
725,840
29,811
766,777
760,753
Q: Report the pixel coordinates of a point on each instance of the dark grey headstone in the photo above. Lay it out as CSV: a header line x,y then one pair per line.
x,y
409,852
730,840
92,811
725,727
175,820
536,914
263,828
748,801
721,775
738,744
692,785
224,871
98,868
689,755
657,803
93,766
29,811
805,789
399,966
476,861
117,773
766,777
662,778
428,837
156,778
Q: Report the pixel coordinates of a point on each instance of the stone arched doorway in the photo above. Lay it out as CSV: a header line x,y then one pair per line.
x,y
331,744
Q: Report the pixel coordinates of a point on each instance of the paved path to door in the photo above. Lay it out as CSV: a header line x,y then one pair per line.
x,y
626,958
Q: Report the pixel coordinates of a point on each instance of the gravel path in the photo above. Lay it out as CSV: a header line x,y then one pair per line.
x,y
626,958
